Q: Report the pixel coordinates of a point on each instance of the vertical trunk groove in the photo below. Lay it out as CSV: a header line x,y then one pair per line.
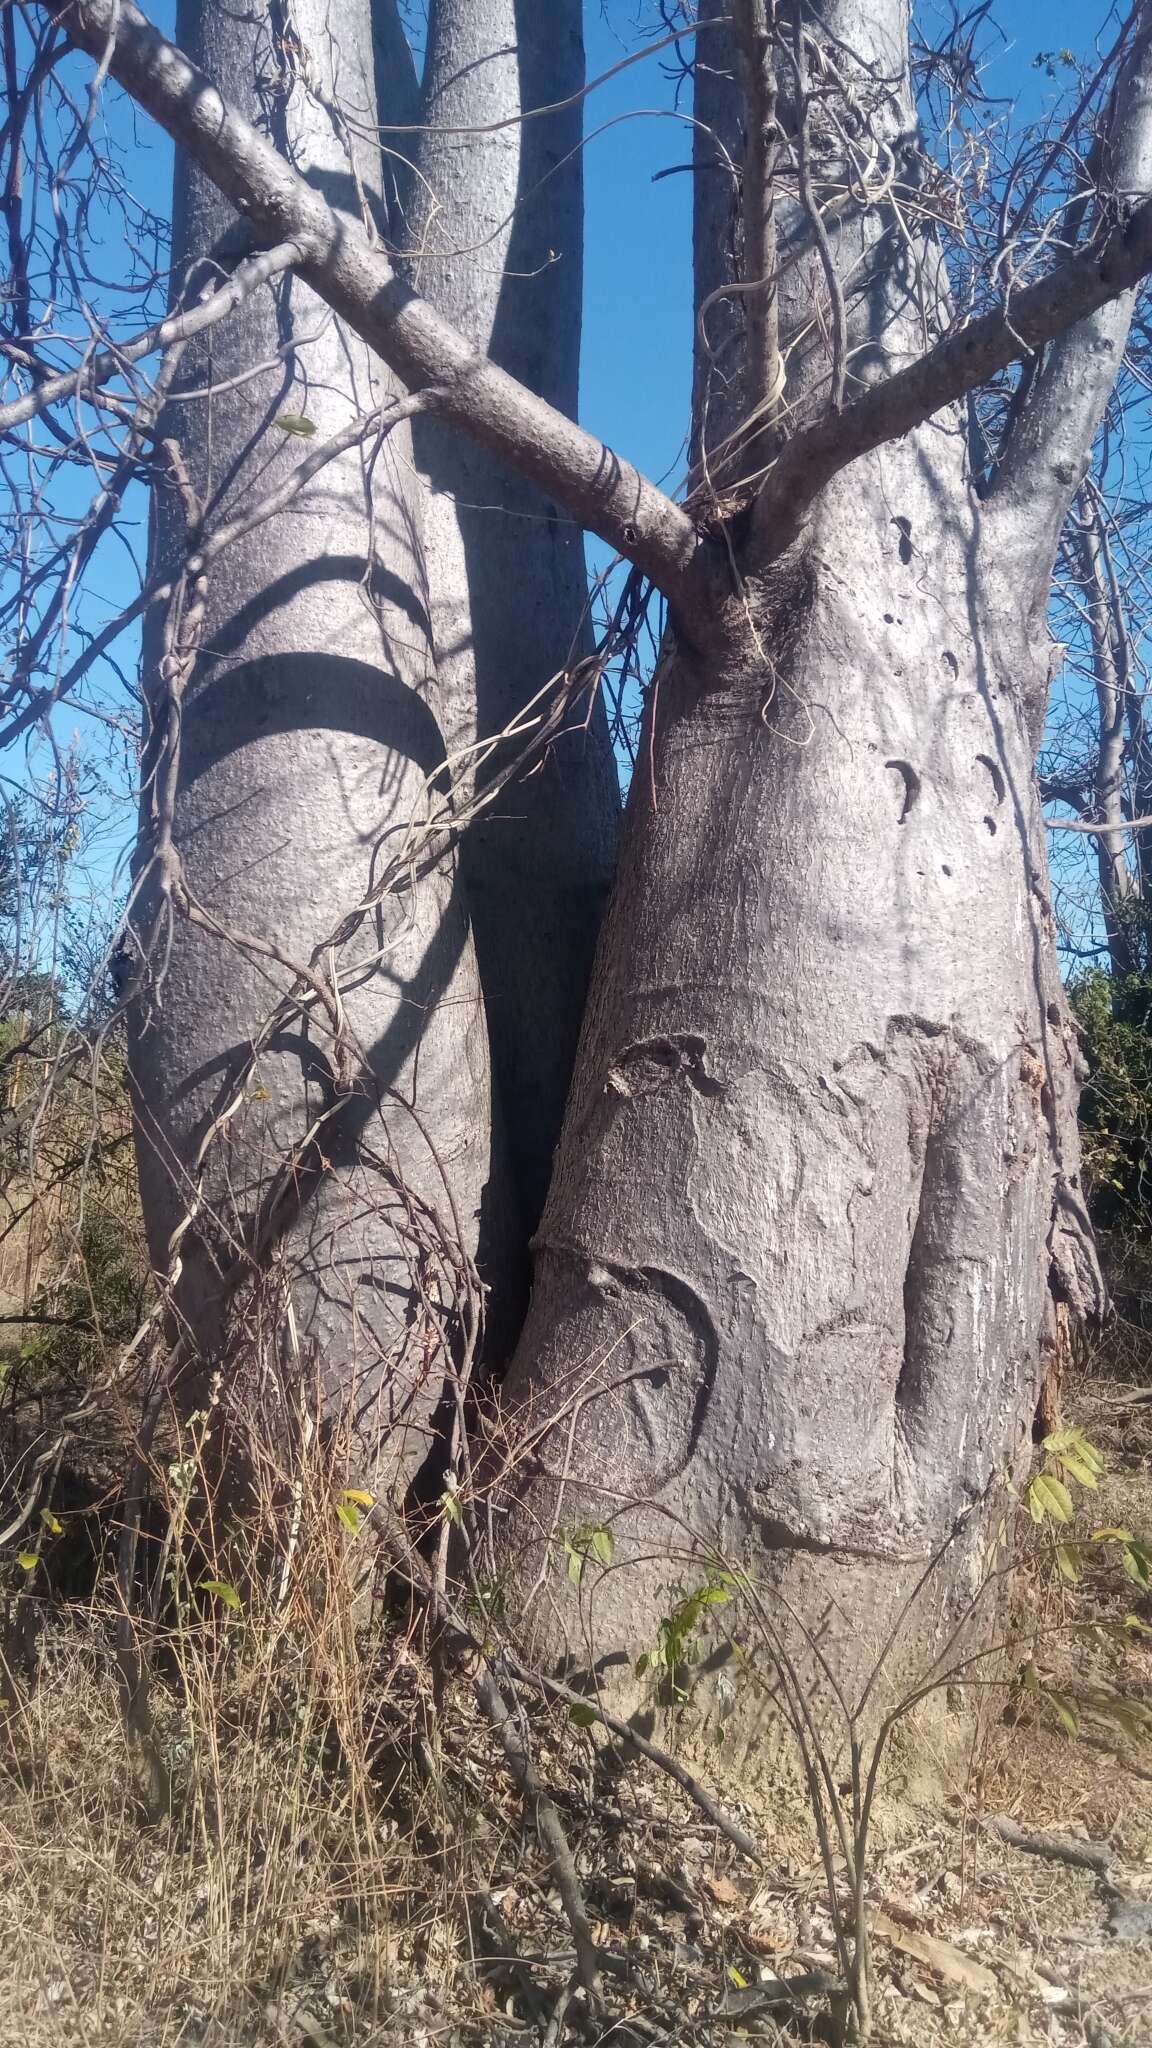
x,y
495,231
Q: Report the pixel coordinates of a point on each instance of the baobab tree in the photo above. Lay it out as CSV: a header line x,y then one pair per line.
x,y
816,1200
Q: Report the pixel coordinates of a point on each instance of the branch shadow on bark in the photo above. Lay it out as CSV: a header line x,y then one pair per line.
x,y
253,702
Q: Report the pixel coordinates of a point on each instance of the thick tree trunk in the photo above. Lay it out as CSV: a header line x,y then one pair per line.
x,y
351,1170
819,1171
819,1181
818,1185
496,231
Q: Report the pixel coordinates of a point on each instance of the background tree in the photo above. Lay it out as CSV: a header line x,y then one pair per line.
x,y
819,1187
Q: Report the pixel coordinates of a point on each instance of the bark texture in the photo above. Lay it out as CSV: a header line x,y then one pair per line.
x,y
495,233
352,1169
818,1189
819,1184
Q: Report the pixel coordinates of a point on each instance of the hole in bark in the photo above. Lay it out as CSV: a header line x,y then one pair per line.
x,y
993,767
1054,1013
904,529
991,824
946,869
911,781
1046,1103
950,661
888,619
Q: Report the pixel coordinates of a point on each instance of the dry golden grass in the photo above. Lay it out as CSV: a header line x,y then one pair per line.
x,y
317,1842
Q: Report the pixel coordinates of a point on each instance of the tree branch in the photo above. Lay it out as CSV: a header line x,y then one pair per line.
x,y
1109,267
97,370
600,489
765,370
1050,441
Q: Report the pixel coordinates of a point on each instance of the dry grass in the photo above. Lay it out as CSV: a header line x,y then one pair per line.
x,y
319,1843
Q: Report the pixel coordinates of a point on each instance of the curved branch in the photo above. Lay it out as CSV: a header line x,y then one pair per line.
x,y
1049,445
599,488
180,326
1095,278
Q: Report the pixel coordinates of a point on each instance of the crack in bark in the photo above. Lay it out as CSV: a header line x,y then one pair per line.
x,y
779,1535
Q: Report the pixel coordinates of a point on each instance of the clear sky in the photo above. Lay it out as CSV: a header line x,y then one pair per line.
x,y
637,334
637,317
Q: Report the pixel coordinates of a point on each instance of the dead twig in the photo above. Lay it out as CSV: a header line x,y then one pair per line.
x,y
1095,1856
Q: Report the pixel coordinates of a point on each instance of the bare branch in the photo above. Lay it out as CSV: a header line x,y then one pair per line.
x,y
765,370
1090,825
1050,441
97,370
597,486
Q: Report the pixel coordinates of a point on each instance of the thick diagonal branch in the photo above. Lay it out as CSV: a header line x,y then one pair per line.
x,y
598,487
1074,292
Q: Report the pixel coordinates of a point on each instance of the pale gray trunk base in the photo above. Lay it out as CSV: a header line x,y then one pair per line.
x,y
819,1177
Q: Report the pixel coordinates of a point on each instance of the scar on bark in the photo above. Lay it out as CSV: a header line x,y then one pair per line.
x,y
997,778
911,781
651,1063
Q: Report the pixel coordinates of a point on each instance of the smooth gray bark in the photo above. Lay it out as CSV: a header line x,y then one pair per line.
x,y
819,1184
495,227
310,728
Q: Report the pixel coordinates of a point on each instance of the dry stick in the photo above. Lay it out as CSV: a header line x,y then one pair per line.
x,y
556,1689
86,380
811,207
444,1612
759,81
549,1824
1095,1856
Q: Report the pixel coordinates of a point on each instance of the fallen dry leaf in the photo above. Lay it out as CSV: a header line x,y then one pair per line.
x,y
937,1955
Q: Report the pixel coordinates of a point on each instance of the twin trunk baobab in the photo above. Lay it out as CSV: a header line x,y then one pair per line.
x,y
817,1190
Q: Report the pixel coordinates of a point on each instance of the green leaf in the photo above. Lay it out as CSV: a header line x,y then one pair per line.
x,y
583,1716
27,1560
1064,1709
1068,1562
1136,1559
349,1514
223,1591
1111,1536
296,423
602,1545
737,1978
1137,1627
358,1497
1079,1468
52,1521
1049,1496
449,1506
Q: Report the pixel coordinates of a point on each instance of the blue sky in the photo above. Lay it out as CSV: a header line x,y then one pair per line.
x,y
637,334
636,377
